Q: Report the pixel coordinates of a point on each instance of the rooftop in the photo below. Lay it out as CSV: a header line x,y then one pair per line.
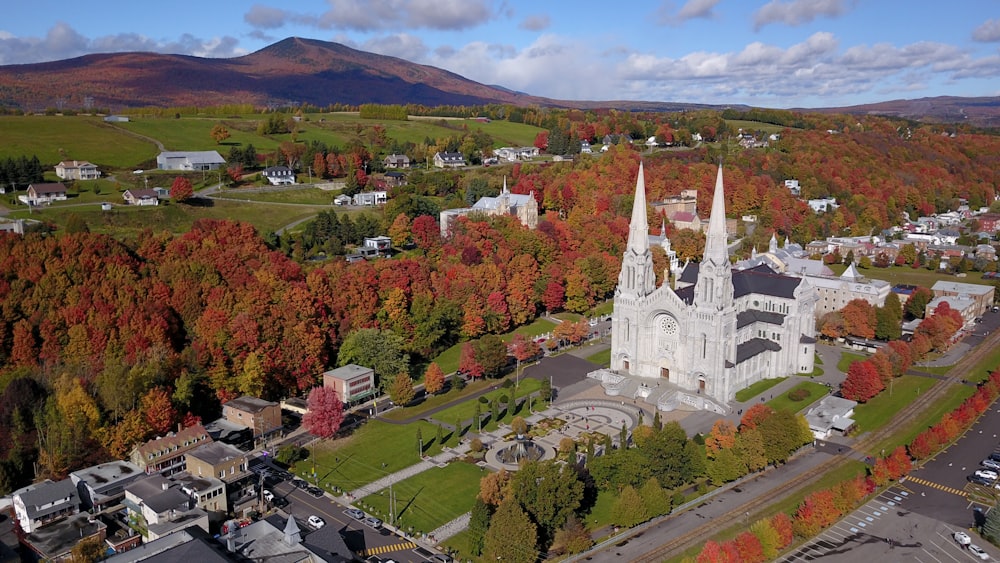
x,y
350,371
106,475
47,497
60,537
215,453
246,403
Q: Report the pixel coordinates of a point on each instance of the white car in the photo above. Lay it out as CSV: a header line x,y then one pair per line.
x,y
990,464
987,474
316,521
268,495
962,538
978,552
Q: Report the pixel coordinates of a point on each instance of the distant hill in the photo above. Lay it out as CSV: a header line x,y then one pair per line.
x,y
297,70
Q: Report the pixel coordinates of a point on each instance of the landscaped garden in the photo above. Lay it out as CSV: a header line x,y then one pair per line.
x,y
799,397
744,395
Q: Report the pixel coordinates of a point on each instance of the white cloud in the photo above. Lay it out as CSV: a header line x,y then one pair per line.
x,y
797,12
372,15
402,45
63,42
536,22
265,17
692,9
988,32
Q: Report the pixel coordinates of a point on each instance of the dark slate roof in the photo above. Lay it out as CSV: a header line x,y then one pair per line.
x,y
751,316
48,492
759,279
200,550
807,339
686,294
754,346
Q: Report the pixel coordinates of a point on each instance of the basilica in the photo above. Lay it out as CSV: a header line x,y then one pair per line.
x,y
718,330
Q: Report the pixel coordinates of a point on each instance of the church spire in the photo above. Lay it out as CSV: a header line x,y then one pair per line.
x,y
715,243
638,232
504,190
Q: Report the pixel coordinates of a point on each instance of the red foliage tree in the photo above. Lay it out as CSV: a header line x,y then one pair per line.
x,y
467,362
158,410
924,445
859,318
181,189
554,296
899,463
712,552
524,348
324,412
542,140
755,415
782,524
862,382
750,550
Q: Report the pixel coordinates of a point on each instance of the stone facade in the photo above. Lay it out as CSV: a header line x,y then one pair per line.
x,y
720,332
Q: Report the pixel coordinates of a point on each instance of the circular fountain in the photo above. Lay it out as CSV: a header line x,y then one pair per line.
x,y
522,449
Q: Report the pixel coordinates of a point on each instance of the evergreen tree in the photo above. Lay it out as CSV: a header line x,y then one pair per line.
x,y
991,528
655,498
479,522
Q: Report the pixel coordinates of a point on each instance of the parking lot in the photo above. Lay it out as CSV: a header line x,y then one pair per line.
x,y
313,508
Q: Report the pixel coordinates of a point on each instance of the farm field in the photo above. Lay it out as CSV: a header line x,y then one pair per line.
x,y
56,138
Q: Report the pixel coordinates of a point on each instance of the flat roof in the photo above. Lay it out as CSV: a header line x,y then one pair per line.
x,y
215,453
348,372
247,403
106,475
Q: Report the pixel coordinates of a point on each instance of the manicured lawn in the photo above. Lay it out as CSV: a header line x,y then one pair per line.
x,y
848,358
878,411
600,513
603,359
466,410
784,403
905,435
448,360
430,499
567,316
744,395
373,451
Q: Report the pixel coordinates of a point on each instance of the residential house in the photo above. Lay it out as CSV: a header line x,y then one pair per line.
x,y
982,295
381,243
832,414
77,170
221,430
39,194
40,504
513,154
371,199
989,222
263,417
793,187
279,175
585,147
342,200
986,252
394,179
167,453
101,486
824,204
449,160
189,160
141,197
351,382
55,541
208,492
229,465
396,161
162,507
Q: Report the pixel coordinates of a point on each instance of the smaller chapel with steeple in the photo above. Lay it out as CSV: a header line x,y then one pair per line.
x,y
718,331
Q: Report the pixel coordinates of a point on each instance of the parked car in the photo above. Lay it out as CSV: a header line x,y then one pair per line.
x,y
988,474
300,484
978,552
373,522
990,464
315,491
995,456
355,513
962,538
316,521
978,480
268,495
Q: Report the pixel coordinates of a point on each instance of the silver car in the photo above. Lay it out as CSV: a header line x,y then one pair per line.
x,y
990,464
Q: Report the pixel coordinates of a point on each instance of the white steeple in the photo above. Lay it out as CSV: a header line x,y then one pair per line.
x,y
638,231
714,289
715,242
772,246
637,277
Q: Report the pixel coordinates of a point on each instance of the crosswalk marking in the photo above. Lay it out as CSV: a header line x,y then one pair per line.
x,y
945,488
387,548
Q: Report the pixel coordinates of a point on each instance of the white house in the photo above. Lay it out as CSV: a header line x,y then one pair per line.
x,y
396,161
279,175
371,198
141,197
449,160
41,503
39,194
380,243
77,170
342,200
830,415
189,160
823,205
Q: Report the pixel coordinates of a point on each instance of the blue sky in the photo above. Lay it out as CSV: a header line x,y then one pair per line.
x,y
778,53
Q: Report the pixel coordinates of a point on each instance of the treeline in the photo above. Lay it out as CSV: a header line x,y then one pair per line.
x,y
379,111
21,171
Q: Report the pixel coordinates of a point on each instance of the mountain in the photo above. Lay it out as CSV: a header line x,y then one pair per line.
x,y
297,70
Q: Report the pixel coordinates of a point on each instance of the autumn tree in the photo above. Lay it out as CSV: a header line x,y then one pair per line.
x,y
862,382
400,230
859,318
158,410
433,379
511,535
219,133
494,487
721,437
755,415
181,190
324,412
467,362
573,537
491,354
401,391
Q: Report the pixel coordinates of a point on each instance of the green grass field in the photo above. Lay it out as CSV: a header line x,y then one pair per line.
x,y
466,410
848,358
57,138
448,360
424,503
877,412
784,403
373,451
601,358
301,195
744,395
